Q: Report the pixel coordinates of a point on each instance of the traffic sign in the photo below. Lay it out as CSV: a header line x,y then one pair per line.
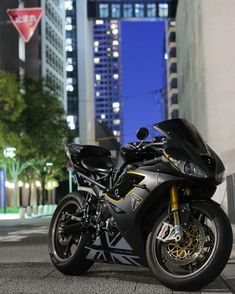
x,y
25,20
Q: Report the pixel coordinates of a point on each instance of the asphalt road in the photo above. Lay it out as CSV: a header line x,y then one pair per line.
x,y
26,268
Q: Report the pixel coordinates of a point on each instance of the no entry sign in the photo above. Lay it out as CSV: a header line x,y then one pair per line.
x,y
25,20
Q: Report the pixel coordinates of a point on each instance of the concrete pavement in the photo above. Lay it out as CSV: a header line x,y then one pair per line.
x,y
26,268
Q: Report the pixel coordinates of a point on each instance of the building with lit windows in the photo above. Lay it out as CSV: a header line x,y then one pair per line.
x,y
44,53
105,16
71,64
107,75
53,46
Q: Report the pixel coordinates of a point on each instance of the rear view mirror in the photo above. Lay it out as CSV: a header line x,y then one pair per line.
x,y
142,133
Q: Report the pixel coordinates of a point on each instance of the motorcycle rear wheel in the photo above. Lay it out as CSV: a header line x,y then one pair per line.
x,y
67,252
197,262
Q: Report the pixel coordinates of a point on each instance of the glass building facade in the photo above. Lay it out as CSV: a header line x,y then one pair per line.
x,y
107,75
71,64
52,47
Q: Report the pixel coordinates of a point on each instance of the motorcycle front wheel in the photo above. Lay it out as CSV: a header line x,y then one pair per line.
x,y
194,263
67,250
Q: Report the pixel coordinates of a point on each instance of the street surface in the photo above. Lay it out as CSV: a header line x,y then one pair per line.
x,y
26,268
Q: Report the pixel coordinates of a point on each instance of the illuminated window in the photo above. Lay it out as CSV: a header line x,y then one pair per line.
x,y
96,43
103,116
68,27
116,122
108,32
97,94
115,76
139,10
99,22
116,104
127,10
163,9
116,107
98,77
69,81
69,67
115,54
68,41
71,122
69,48
151,10
104,10
113,26
69,88
116,11
68,20
96,60
115,43
115,31
68,4
69,60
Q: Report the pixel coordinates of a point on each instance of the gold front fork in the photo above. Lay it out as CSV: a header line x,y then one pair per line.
x,y
175,204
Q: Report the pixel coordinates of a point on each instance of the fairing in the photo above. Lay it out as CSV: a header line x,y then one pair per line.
x,y
185,143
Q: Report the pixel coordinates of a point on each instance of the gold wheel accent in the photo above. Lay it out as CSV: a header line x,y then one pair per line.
x,y
188,251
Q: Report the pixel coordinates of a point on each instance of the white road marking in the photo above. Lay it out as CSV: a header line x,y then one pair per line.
x,y
17,236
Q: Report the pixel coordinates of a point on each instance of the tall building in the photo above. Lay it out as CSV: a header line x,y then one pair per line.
x,y
71,64
107,75
171,95
53,45
105,16
44,55
206,54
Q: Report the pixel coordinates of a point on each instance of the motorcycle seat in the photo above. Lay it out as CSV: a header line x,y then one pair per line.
x,y
98,164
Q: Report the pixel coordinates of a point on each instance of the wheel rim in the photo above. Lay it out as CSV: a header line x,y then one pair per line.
x,y
65,246
192,256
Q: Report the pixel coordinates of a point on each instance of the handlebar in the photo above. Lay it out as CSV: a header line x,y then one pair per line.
x,y
158,144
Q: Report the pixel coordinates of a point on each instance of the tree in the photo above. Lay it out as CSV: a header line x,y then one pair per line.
x,y
32,119
45,130
12,105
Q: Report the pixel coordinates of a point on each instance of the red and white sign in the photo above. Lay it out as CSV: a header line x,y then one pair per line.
x,y
25,20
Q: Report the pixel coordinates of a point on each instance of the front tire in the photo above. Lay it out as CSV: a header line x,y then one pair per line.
x,y
197,262
67,252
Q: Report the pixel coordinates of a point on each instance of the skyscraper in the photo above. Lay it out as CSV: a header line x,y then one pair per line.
x,y
107,75
44,53
71,64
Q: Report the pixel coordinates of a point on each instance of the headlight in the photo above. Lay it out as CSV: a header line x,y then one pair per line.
x,y
220,177
188,168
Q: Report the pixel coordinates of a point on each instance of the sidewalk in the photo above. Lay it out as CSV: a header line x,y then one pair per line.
x,y
14,220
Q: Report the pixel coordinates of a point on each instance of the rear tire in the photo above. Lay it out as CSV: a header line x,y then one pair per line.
x,y
68,253
191,266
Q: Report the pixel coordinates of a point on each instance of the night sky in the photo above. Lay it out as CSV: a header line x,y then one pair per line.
x,y
142,59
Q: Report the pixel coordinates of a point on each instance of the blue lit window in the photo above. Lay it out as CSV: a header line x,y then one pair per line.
x,y
163,9
104,10
127,10
116,12
151,10
139,10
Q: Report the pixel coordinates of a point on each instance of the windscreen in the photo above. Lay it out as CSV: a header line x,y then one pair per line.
x,y
180,129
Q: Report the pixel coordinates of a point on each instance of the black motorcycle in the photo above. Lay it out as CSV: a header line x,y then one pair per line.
x,y
155,210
